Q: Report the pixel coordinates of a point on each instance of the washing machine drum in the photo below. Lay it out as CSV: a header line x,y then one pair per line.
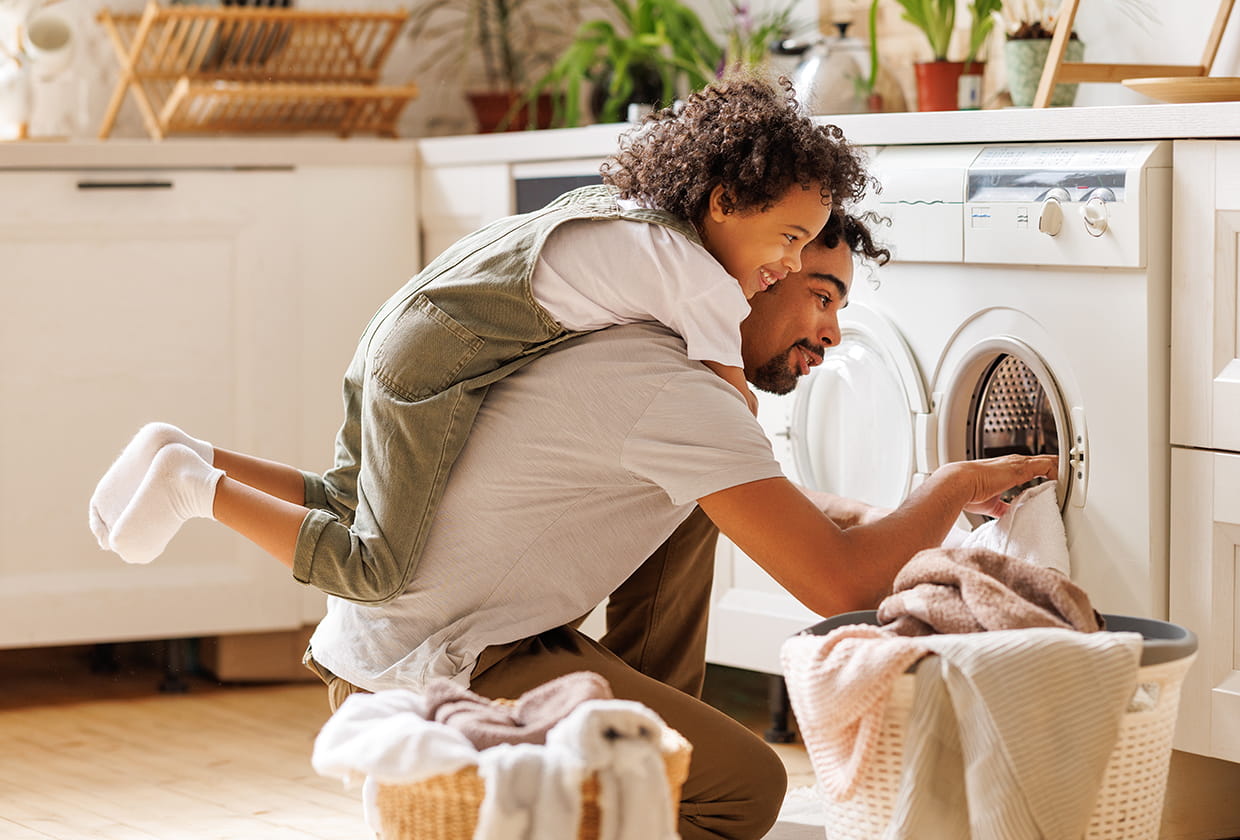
x,y
1004,400
1011,413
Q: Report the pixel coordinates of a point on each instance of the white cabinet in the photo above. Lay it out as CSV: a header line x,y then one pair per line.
x,y
227,302
1205,555
1205,437
459,199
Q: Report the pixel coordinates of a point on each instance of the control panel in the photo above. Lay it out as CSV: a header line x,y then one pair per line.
x,y
1078,204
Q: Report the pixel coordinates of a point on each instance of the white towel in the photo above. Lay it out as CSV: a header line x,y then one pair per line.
x,y
1031,529
1010,733
534,792
621,741
387,736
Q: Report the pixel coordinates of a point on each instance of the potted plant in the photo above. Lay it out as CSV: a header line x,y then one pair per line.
x,y
938,81
981,23
750,35
500,47
1029,25
646,53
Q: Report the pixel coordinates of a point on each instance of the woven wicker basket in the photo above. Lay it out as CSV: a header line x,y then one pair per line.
x,y
446,807
1130,800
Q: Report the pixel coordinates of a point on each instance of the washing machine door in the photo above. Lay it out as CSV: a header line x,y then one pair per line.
x,y
859,417
997,394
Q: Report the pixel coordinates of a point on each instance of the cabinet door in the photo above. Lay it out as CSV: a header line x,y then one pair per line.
x,y
1205,558
130,297
1205,337
456,200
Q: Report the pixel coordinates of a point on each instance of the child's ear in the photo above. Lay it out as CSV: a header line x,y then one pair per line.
x,y
715,208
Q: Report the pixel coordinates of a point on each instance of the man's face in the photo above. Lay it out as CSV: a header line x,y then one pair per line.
x,y
792,323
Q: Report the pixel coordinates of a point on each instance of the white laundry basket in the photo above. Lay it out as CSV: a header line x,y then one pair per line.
x,y
1130,800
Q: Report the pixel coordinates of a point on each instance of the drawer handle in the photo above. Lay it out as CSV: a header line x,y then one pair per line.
x,y
124,185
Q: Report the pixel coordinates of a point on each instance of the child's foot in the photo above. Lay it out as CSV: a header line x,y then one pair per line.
x,y
178,486
121,481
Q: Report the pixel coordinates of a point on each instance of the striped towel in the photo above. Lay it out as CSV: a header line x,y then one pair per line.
x,y
1010,733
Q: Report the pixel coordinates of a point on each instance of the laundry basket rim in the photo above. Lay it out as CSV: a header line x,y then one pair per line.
x,y
1162,642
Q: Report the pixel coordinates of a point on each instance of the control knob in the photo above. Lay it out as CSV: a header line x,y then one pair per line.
x,y
1050,217
1094,211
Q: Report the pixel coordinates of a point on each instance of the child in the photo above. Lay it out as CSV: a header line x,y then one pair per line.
x,y
702,209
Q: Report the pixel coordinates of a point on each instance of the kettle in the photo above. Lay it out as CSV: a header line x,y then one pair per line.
x,y
828,78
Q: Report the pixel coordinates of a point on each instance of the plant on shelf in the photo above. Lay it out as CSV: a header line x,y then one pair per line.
x,y
982,15
500,47
647,52
1028,26
749,34
938,80
867,85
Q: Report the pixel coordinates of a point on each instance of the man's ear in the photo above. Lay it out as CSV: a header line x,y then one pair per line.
x,y
715,208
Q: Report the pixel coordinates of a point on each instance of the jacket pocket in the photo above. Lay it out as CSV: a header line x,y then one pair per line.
x,y
423,351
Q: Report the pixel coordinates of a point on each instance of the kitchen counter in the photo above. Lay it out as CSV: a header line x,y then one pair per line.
x,y
208,153
1131,122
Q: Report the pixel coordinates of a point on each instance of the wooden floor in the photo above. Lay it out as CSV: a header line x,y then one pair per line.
x,y
91,755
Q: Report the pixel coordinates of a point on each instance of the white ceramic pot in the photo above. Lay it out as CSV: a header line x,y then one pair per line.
x,y
48,39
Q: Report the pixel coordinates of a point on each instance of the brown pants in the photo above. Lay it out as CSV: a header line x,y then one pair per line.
x,y
654,652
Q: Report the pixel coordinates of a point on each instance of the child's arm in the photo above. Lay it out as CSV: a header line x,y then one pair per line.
x,y
735,377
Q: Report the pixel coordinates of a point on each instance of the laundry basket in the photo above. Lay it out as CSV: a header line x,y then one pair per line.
x,y
445,807
1130,799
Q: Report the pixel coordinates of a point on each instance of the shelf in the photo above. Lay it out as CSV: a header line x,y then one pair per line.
x,y
195,69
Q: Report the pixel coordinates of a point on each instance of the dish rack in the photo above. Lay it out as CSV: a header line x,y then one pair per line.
x,y
211,70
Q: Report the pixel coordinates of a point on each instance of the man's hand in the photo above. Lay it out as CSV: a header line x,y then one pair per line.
x,y
986,480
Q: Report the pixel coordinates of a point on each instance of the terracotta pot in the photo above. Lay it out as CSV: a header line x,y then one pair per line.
x,y
1024,59
494,111
938,84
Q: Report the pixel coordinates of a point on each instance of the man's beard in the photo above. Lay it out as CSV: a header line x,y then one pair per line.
x,y
775,376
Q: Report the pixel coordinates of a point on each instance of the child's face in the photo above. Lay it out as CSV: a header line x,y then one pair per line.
x,y
760,248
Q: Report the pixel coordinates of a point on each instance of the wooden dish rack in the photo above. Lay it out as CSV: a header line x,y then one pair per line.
x,y
207,70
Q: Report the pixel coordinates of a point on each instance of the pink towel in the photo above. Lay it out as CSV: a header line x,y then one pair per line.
x,y
525,721
838,685
967,590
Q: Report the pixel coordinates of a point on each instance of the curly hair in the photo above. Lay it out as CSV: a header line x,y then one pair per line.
x,y
742,133
856,233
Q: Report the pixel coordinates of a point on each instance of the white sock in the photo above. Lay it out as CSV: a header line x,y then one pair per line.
x,y
178,486
121,481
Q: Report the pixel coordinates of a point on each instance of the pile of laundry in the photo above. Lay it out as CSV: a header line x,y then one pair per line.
x,y
532,754
1018,698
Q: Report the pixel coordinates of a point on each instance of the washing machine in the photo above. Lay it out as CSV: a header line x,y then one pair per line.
x,y
1025,310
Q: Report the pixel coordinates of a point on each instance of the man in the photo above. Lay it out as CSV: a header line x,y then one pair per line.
x,y
580,466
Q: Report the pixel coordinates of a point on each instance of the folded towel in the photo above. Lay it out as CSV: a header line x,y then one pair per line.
x,y
967,590
525,721
534,792
1031,530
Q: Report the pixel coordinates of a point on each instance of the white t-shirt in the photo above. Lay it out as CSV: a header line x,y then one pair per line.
x,y
579,466
596,274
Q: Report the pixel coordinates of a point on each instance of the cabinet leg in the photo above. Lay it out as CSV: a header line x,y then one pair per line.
x,y
780,709
103,659
177,657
